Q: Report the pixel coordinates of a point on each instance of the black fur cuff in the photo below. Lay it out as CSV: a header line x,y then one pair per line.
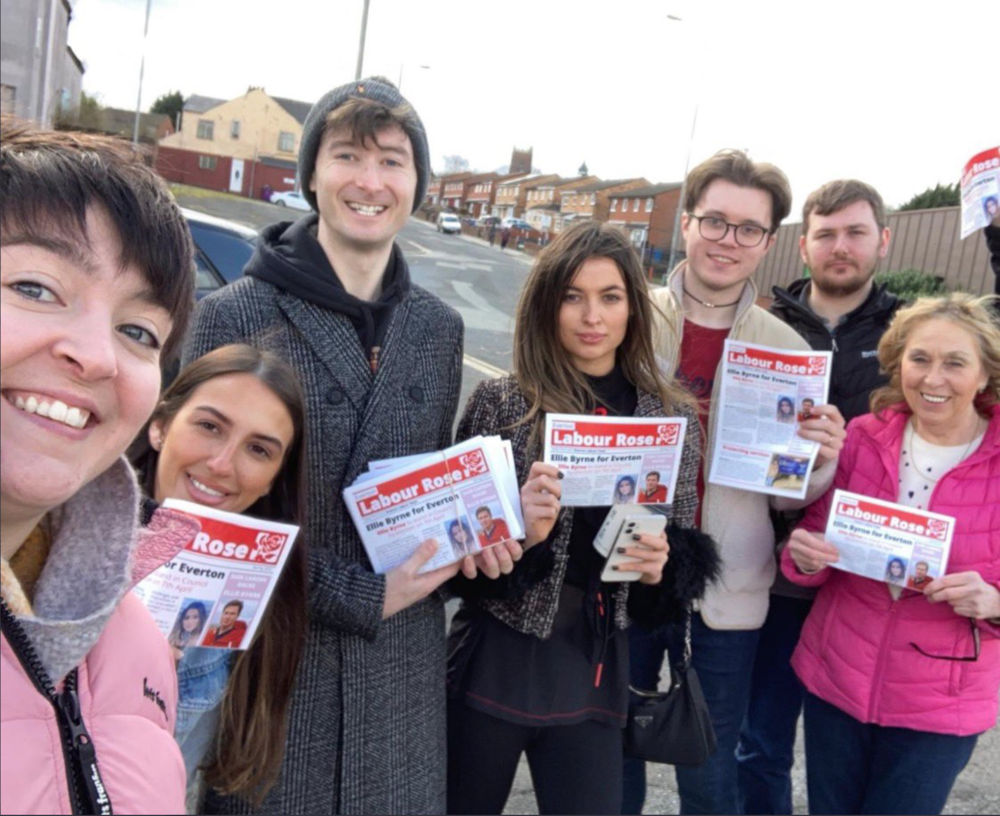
x,y
693,563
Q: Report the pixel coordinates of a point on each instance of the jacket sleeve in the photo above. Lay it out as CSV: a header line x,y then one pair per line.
x,y
685,504
213,326
454,389
817,513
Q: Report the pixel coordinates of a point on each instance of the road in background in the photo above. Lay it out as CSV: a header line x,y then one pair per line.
x,y
483,284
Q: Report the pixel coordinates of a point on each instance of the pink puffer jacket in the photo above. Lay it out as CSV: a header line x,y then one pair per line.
x,y
855,651
127,687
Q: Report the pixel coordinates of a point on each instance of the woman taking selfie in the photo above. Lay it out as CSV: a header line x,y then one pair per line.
x,y
899,682
228,434
97,285
539,659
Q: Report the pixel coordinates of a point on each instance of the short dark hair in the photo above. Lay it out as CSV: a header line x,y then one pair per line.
x,y
736,167
484,509
235,602
51,179
655,473
835,195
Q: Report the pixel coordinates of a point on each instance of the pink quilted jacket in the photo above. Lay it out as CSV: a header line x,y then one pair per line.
x,y
855,651
128,696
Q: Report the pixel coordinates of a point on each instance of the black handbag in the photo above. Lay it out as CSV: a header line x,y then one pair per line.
x,y
672,726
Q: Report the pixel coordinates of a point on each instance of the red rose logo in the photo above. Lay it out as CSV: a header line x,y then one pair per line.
x,y
268,547
817,365
668,434
473,462
936,528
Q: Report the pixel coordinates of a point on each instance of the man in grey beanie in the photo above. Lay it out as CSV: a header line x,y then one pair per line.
x,y
380,361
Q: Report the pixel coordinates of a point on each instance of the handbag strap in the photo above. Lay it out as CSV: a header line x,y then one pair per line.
x,y
678,673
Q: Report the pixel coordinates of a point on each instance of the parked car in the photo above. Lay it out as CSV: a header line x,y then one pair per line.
x,y
489,221
291,198
516,223
221,249
449,223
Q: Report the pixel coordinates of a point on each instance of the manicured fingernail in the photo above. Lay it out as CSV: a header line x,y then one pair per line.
x,y
621,550
635,536
615,568
561,474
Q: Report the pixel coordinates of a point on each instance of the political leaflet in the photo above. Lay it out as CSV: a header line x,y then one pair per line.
x,y
458,497
765,393
980,191
214,593
615,460
889,542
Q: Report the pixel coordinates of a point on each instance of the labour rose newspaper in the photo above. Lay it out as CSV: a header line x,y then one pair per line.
x,y
220,582
889,542
765,393
615,460
980,191
446,496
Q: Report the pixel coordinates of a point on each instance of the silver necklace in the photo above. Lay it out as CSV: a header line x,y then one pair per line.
x,y
913,453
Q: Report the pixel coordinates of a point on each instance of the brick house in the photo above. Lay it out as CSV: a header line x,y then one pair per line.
x,y
453,190
237,145
433,191
594,200
481,192
544,202
512,195
647,214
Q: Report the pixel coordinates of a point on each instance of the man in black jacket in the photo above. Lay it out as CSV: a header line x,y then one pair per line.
x,y
992,233
840,309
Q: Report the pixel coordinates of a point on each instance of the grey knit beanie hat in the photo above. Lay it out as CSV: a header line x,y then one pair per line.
x,y
377,89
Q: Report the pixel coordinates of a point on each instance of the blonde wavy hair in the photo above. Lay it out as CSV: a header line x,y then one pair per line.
x,y
964,310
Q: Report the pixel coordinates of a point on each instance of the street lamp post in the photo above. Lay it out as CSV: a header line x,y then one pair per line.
x,y
361,45
675,237
142,69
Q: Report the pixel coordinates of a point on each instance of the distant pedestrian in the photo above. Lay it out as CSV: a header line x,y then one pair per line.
x,y
493,234
504,238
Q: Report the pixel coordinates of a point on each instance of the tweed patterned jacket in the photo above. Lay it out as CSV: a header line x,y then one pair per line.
x,y
494,408
367,720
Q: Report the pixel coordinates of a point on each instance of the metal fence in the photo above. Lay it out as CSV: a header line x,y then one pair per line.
x,y
923,239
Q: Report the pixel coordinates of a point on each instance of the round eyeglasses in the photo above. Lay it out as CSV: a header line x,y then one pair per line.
x,y
713,228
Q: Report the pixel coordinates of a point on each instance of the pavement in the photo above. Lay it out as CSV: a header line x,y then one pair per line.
x,y
483,284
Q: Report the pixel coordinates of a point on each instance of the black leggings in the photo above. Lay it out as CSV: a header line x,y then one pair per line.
x,y
574,768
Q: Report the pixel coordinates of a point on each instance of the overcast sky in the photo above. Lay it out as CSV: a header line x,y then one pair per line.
x,y
880,91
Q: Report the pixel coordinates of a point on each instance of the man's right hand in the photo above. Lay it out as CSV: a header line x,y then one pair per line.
x,y
405,584
811,552
540,502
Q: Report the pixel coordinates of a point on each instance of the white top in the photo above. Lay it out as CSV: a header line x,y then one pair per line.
x,y
921,466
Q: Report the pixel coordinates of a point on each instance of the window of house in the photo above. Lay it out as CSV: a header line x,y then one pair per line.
x,y
206,129
649,205
635,205
207,162
593,199
234,129
286,142
614,205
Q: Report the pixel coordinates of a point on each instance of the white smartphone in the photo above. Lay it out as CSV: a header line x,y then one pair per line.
x,y
632,522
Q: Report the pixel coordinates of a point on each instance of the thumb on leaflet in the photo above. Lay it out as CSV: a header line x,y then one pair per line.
x,y
423,554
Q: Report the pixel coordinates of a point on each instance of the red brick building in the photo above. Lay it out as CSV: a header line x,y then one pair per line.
x,y
647,214
594,200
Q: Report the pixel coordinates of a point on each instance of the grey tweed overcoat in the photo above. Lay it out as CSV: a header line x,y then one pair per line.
x,y
367,723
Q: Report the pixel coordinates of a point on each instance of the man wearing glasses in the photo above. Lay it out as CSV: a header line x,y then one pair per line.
x,y
732,207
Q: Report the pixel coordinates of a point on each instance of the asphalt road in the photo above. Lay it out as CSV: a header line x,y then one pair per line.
x,y
483,284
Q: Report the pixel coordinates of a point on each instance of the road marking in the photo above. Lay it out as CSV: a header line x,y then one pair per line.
x,y
423,249
484,367
450,265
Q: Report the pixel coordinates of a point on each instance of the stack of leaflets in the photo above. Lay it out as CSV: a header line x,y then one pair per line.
x,y
465,498
215,591
615,460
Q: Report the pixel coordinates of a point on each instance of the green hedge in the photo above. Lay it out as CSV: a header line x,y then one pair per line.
x,y
910,284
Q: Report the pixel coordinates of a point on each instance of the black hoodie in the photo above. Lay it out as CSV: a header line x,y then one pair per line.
x,y
854,341
290,257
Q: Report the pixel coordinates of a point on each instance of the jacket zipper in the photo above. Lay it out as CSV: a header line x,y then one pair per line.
x,y
86,788
880,664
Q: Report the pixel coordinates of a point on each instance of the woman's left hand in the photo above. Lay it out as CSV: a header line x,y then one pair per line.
x,y
969,595
825,425
650,554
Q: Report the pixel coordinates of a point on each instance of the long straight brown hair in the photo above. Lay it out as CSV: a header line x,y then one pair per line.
x,y
543,369
250,740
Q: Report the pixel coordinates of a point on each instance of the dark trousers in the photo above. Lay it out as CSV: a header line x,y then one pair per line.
x,y
724,662
854,767
766,750
574,768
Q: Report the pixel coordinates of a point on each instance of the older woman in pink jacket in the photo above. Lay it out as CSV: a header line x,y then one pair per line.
x,y
900,682
97,284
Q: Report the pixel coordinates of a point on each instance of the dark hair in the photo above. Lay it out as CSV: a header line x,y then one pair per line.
x,y
52,179
235,602
543,369
625,480
250,742
736,167
365,118
655,473
895,561
469,538
483,509
174,637
835,195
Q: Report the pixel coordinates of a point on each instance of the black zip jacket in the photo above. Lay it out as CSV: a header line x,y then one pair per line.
x,y
854,342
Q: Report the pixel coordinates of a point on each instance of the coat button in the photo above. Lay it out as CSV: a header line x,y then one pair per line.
x,y
335,396
416,393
